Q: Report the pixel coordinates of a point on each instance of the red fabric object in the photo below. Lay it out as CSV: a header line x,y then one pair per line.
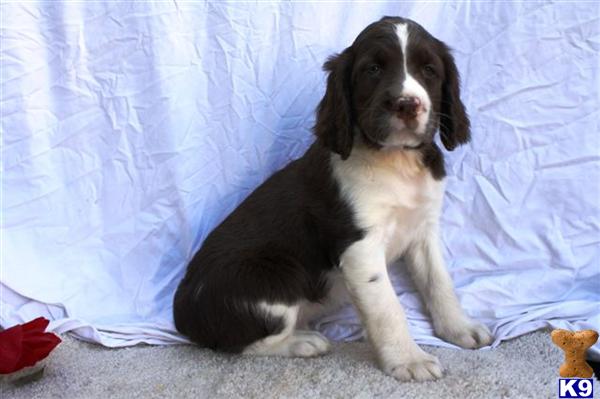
x,y
26,344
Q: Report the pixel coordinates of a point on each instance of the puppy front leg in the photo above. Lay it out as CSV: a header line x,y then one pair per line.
x,y
426,265
365,274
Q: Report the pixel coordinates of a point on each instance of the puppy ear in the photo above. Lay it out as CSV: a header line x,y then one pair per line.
x,y
334,124
454,122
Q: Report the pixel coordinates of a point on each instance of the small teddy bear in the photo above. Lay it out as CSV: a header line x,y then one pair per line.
x,y
575,344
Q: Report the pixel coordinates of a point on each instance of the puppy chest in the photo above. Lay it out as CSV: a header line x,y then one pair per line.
x,y
394,197
400,210
399,230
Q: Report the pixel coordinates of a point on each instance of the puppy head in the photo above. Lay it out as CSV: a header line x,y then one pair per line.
x,y
394,86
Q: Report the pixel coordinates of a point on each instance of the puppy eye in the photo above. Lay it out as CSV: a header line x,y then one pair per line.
x,y
429,71
373,69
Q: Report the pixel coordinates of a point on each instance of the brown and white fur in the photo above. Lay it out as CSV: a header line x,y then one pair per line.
x,y
325,227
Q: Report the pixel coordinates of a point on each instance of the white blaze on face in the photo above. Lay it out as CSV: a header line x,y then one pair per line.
x,y
411,87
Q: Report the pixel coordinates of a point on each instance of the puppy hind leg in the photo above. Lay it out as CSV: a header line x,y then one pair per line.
x,y
289,341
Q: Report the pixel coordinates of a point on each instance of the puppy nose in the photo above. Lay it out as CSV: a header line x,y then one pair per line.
x,y
408,107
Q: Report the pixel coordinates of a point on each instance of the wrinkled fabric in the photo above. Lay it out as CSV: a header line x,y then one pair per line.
x,y
129,131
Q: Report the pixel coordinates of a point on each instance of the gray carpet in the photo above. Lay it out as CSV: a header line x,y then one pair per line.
x,y
526,367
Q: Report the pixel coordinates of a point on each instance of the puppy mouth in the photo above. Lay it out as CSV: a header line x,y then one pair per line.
x,y
400,125
414,147
405,134
412,144
395,133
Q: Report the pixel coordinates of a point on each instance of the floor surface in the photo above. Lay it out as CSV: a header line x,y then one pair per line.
x,y
526,367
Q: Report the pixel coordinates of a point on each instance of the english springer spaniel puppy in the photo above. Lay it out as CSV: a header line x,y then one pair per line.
x,y
368,191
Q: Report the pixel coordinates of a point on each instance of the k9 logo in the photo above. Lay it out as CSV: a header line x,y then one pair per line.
x,y
575,388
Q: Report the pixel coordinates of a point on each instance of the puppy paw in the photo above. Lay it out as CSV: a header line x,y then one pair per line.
x,y
308,344
419,366
467,334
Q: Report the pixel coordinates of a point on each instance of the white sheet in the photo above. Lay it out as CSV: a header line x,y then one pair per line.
x,y
130,130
